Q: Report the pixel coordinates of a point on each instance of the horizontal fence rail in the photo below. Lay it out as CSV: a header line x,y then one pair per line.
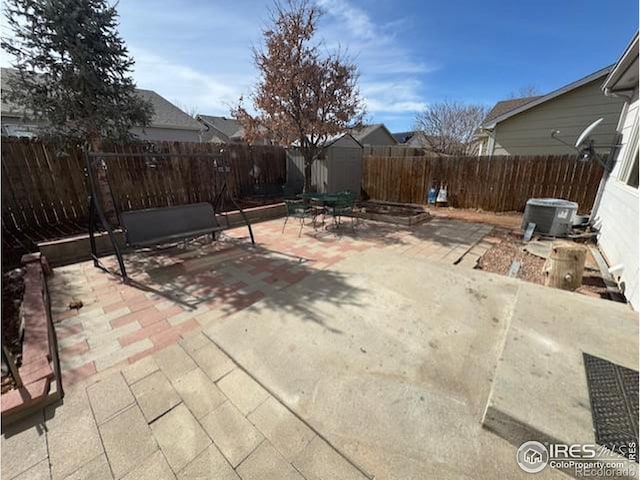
x,y
45,191
497,184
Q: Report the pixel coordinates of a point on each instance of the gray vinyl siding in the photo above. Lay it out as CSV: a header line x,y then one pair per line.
x,y
378,137
166,134
529,132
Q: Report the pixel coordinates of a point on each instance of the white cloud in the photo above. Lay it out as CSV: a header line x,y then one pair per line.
x,y
389,73
209,93
392,96
199,56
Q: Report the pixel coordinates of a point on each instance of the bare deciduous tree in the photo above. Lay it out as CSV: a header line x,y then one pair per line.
x,y
449,125
526,91
302,95
191,110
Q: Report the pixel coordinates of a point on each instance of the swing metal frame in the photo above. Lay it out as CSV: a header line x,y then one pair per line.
x,y
97,213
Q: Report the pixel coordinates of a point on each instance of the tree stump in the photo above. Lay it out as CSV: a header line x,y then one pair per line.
x,y
565,266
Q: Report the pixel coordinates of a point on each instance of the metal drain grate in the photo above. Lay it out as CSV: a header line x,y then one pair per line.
x,y
613,392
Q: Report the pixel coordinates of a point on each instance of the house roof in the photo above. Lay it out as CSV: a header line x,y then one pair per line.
x,y
490,124
165,115
362,132
227,126
505,106
624,75
403,137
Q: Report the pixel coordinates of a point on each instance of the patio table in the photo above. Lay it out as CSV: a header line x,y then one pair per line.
x,y
325,202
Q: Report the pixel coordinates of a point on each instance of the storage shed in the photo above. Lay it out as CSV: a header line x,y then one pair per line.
x,y
339,167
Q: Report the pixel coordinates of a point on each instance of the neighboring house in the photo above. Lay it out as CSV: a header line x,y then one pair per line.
x,y
616,212
524,126
168,122
221,129
225,130
481,137
412,139
12,117
337,169
376,134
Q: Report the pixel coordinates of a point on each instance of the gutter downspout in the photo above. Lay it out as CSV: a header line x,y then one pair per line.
x,y
611,161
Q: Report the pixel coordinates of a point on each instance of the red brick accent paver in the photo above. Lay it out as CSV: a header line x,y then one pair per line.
x,y
79,373
77,349
63,331
145,332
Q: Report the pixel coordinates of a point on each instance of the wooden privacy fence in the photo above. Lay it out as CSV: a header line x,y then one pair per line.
x,y
497,184
44,188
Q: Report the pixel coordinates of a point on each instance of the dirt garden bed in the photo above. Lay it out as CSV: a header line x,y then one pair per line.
x,y
399,213
12,295
30,339
508,247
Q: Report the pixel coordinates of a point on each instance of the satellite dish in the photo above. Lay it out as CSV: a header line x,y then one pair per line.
x,y
585,134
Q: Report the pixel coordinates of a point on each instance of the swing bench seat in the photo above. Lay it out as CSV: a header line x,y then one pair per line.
x,y
156,226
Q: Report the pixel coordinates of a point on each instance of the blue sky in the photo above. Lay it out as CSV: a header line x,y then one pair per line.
x,y
409,53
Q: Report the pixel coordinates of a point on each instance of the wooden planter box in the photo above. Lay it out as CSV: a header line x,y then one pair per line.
x,y
398,213
40,369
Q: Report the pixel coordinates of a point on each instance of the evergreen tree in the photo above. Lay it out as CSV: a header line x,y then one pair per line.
x,y
73,70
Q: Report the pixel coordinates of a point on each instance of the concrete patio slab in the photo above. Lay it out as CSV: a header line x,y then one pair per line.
x,y
366,344
109,397
174,362
199,393
243,391
39,471
318,461
127,440
26,437
540,388
154,467
194,342
180,436
265,463
232,433
211,464
72,433
155,395
282,428
96,469
212,361
139,370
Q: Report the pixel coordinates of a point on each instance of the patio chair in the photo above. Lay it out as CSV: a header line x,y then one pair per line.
x,y
297,209
343,205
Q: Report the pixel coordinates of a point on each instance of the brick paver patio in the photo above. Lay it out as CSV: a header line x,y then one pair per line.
x,y
149,396
187,412
182,289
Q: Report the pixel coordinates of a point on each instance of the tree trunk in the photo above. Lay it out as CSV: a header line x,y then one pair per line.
x,y
565,266
102,182
307,173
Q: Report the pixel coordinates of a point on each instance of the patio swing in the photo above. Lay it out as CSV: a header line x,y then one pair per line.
x,y
152,227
